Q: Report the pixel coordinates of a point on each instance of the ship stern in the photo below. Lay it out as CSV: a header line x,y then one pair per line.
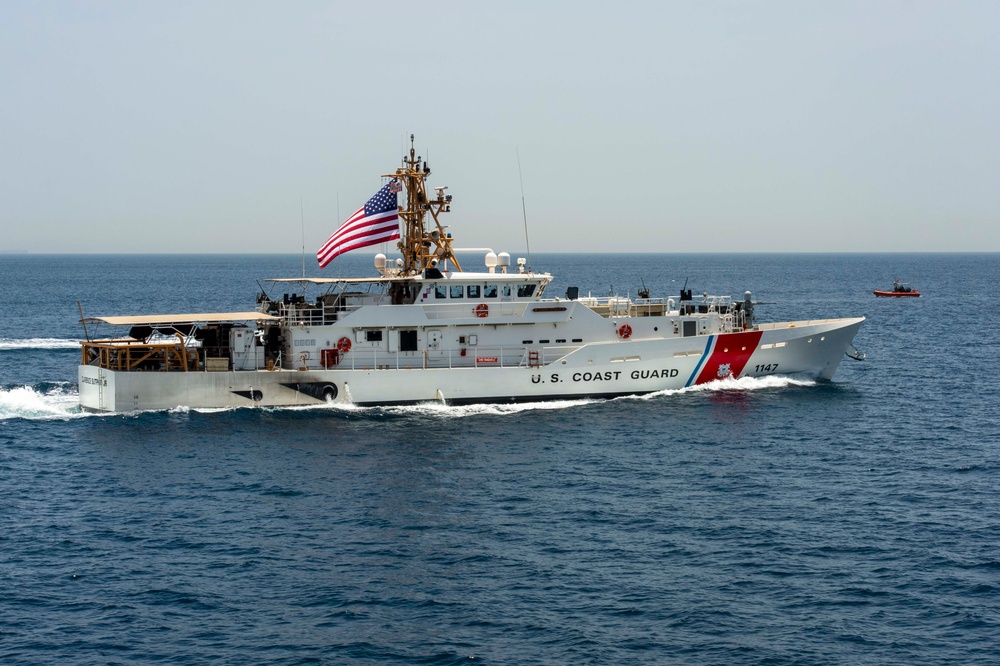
x,y
97,389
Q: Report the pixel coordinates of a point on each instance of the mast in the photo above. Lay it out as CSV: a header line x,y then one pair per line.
x,y
418,245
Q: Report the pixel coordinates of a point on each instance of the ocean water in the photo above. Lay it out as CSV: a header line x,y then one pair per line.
x,y
747,522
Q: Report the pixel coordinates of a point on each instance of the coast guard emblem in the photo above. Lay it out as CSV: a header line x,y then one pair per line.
x,y
724,371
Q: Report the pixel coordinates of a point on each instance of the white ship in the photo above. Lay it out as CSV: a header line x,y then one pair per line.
x,y
423,329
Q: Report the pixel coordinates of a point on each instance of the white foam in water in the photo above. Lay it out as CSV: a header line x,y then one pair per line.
x,y
25,402
7,344
459,411
443,410
732,384
338,406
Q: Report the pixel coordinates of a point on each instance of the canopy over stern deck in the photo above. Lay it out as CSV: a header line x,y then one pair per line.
x,y
170,319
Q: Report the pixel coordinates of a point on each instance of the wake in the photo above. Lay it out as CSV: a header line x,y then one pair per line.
x,y
45,402
730,384
15,344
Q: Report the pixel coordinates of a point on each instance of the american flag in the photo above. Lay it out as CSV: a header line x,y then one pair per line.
x,y
375,222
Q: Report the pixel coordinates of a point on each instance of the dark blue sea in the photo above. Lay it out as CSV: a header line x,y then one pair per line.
x,y
777,522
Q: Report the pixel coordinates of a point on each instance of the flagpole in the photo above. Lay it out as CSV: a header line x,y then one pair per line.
x,y
302,213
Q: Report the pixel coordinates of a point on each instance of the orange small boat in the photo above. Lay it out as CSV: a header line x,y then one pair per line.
x,y
898,290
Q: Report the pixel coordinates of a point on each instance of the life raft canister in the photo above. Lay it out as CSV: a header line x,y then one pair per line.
x,y
482,310
344,345
625,331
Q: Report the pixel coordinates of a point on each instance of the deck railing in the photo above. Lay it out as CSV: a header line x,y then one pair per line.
x,y
134,355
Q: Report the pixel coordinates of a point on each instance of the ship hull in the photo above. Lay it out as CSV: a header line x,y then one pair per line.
x,y
896,294
810,349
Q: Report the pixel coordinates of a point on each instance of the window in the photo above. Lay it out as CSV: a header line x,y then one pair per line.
x,y
490,291
525,290
506,291
440,291
407,341
457,290
473,291
373,336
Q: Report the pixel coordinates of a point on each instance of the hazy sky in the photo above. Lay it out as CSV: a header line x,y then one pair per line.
x,y
641,126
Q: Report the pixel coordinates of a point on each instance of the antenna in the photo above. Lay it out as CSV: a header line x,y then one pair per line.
x,y
83,320
524,212
302,214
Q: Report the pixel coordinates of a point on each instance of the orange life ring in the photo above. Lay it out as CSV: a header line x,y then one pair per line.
x,y
344,345
482,310
625,331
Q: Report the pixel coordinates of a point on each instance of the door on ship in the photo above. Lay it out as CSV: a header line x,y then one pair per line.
x,y
435,357
408,349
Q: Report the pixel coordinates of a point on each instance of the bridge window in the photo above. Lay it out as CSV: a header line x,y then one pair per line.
x,y
440,291
490,291
473,291
525,290
457,291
